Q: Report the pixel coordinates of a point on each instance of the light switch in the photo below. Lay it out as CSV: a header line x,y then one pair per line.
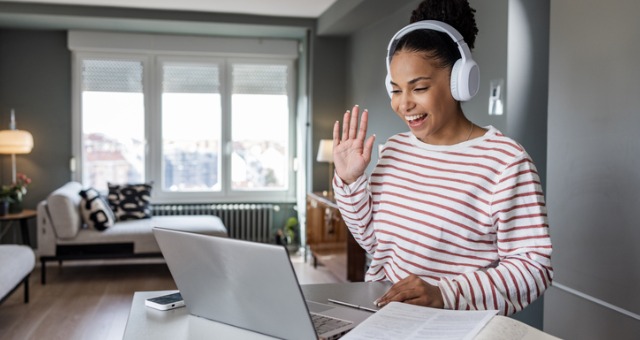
x,y
496,106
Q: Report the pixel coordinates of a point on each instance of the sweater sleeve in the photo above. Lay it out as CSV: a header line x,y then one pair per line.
x,y
523,270
355,204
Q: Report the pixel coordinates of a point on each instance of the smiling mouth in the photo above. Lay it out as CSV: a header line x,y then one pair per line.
x,y
415,120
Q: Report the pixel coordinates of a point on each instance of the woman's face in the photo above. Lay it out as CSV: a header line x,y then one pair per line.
x,y
421,96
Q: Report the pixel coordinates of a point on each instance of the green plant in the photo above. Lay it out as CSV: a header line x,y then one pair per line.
x,y
290,229
5,194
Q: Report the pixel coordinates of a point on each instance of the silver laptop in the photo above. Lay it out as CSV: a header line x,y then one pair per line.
x,y
248,285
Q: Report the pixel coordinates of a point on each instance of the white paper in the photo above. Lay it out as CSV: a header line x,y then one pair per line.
x,y
403,321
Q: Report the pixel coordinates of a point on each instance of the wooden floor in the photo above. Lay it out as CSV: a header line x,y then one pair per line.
x,y
83,301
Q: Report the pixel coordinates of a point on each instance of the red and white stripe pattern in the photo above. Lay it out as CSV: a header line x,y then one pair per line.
x,y
469,218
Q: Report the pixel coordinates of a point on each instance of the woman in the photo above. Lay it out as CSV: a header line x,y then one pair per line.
x,y
453,213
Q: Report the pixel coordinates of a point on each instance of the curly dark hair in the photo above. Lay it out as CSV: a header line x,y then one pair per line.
x,y
456,13
438,45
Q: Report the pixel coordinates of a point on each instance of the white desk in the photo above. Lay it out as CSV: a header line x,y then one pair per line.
x,y
148,323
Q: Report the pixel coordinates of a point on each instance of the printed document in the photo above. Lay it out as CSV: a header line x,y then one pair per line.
x,y
404,321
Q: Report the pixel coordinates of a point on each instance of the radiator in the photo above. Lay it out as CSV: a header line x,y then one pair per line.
x,y
251,222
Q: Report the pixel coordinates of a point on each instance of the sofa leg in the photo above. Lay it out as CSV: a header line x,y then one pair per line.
x,y
43,272
26,289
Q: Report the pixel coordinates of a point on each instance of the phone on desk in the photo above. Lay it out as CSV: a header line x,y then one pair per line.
x,y
165,302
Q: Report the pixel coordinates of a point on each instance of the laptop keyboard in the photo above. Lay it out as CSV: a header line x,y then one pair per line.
x,y
324,324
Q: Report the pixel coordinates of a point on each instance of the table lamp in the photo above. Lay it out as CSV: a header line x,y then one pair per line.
x,y
325,154
13,142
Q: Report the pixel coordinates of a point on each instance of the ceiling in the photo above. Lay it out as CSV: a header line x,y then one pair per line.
x,y
254,18
286,8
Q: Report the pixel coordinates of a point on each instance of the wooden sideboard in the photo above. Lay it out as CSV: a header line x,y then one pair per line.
x,y
329,241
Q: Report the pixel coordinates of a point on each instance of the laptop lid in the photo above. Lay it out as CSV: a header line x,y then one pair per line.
x,y
240,283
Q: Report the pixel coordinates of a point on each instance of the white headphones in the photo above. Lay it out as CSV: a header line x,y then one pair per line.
x,y
465,74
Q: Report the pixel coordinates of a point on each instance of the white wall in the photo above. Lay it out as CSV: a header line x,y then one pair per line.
x,y
593,186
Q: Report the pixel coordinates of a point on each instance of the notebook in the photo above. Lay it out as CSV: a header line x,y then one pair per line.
x,y
248,285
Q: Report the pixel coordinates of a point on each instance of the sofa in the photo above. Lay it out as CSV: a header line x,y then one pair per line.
x,y
16,264
63,235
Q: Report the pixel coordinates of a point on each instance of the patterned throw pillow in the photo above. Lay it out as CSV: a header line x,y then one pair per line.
x,y
130,201
95,211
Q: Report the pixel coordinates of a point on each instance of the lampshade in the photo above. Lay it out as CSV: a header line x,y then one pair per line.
x,y
325,151
15,142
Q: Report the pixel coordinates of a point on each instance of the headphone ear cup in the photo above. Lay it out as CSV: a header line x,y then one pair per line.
x,y
465,79
387,84
455,80
472,79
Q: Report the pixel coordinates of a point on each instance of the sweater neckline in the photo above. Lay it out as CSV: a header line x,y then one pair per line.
x,y
491,132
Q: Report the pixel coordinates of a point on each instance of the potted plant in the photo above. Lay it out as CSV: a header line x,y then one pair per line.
x,y
290,230
16,192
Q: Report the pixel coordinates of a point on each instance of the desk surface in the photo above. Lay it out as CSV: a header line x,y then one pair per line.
x,y
148,323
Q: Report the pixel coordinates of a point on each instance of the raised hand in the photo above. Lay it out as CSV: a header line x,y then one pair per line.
x,y
351,153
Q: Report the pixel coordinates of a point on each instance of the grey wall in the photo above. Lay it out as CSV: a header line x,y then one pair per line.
x,y
35,75
593,182
527,78
491,53
35,68
329,93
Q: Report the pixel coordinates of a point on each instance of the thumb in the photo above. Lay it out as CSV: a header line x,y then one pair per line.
x,y
368,147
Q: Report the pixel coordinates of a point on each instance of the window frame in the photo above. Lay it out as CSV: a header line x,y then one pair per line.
x,y
152,88
155,133
262,195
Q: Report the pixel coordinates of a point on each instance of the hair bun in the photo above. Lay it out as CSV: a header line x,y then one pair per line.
x,y
457,13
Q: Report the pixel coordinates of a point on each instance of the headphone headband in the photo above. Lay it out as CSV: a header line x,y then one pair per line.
x,y
470,76
433,25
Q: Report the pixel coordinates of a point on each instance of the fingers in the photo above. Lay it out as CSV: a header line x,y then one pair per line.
x,y
392,293
350,128
368,146
345,125
364,121
411,289
353,123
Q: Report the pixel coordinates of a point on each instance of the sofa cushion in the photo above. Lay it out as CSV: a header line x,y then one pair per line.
x,y
130,201
95,210
139,232
64,211
16,261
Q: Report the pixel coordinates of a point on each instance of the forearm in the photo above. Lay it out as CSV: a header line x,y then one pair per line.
x,y
356,207
509,287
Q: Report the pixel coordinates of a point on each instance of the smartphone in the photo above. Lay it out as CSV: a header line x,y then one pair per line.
x,y
165,302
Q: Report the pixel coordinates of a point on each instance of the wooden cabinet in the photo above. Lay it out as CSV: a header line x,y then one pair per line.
x,y
329,241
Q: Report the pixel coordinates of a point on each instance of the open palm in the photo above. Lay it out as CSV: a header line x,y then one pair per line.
x,y
352,153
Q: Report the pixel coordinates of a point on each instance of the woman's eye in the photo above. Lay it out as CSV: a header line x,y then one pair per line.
x,y
421,89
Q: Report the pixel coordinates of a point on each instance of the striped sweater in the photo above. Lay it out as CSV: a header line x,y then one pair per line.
x,y
469,218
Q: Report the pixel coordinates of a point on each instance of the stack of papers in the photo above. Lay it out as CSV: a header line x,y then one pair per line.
x,y
404,321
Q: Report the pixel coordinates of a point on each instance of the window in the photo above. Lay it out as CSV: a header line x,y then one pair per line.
x,y
260,125
112,122
202,126
191,121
